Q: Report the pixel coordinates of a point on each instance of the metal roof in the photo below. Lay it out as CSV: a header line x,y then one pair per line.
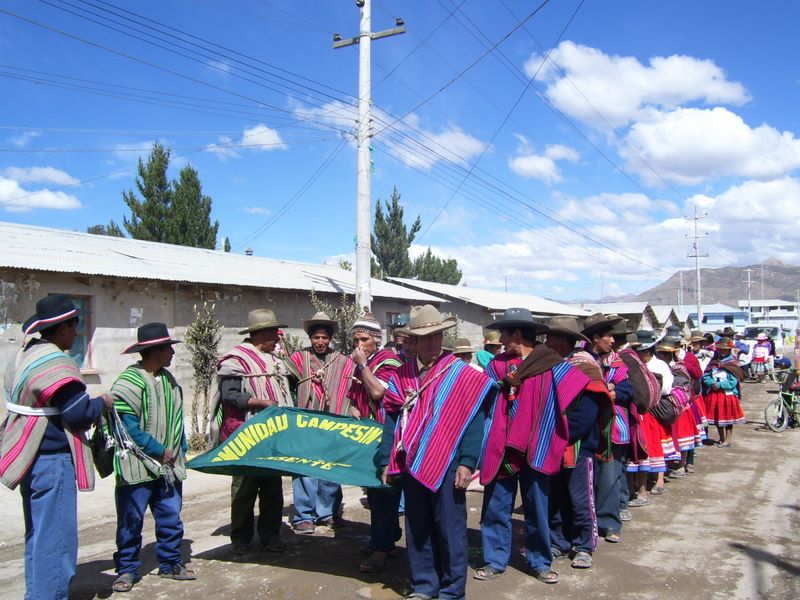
x,y
619,308
493,300
33,248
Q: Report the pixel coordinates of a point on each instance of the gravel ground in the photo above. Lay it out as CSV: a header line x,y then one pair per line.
x,y
727,531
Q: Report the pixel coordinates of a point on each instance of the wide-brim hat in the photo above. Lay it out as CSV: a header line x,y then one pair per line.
x,y
50,311
516,318
728,332
621,328
645,340
462,346
261,318
762,337
697,336
320,319
726,343
492,338
599,322
150,335
674,332
565,325
668,344
426,319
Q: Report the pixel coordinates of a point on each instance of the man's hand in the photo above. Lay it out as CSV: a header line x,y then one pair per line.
x,y
359,357
355,413
463,477
108,401
168,458
385,477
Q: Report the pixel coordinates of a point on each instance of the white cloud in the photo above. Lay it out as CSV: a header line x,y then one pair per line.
x,y
40,175
257,210
14,198
219,66
23,139
411,142
691,145
542,166
257,138
621,88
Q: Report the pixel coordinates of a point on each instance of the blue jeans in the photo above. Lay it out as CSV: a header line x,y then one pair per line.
x,y
573,523
436,538
608,480
165,504
50,506
384,522
498,505
315,499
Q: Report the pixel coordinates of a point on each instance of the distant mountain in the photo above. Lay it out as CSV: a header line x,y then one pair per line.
x,y
727,285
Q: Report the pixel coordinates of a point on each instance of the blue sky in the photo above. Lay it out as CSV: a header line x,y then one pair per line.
x,y
637,113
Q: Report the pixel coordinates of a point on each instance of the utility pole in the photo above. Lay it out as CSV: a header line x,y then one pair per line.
x,y
680,289
364,135
749,283
697,256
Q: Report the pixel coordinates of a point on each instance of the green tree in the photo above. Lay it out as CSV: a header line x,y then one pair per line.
x,y
111,229
391,240
226,246
149,216
174,212
429,267
189,221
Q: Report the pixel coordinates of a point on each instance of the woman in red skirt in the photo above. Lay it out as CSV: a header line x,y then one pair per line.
x,y
722,391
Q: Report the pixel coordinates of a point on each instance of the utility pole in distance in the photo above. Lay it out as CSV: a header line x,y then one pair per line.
x,y
364,39
697,256
749,282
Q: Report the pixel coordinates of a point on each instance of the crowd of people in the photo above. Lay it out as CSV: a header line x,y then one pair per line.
x,y
585,420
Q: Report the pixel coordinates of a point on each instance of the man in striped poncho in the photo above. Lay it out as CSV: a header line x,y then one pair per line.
x,y
435,408
322,377
43,448
250,378
149,403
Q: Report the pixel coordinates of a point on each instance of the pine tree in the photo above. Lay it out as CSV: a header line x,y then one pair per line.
x,y
429,267
391,240
111,229
226,246
149,215
189,222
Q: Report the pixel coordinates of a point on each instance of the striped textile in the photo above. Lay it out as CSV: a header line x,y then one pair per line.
x,y
263,375
616,372
32,378
329,394
439,418
157,401
591,367
383,364
534,426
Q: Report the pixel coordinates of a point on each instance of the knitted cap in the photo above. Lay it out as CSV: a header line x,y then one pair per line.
x,y
366,323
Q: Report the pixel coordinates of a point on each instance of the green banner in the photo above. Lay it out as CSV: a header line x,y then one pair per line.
x,y
291,441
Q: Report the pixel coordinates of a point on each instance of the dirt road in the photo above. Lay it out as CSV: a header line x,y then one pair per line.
x,y
728,531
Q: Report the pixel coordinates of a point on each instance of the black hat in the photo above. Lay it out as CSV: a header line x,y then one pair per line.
x,y
51,310
150,336
516,318
645,340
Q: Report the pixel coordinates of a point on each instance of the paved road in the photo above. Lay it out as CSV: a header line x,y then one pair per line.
x,y
728,531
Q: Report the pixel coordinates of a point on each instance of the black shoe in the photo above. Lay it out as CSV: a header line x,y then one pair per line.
x,y
177,572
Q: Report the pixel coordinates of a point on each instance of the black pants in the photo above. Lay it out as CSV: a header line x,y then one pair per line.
x,y
244,492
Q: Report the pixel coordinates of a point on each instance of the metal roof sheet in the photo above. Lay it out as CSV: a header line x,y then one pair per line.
x,y
494,300
36,248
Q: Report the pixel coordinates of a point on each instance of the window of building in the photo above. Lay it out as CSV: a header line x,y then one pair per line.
x,y
394,319
729,318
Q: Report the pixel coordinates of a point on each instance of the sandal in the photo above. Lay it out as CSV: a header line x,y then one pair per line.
x,y
124,583
582,560
656,491
487,573
372,565
557,553
613,537
546,576
638,502
677,474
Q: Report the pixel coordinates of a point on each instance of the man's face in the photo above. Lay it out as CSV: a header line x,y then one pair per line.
x,y
266,338
510,339
602,342
429,347
365,341
400,340
697,346
164,355
410,347
70,330
320,341
560,343
723,352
